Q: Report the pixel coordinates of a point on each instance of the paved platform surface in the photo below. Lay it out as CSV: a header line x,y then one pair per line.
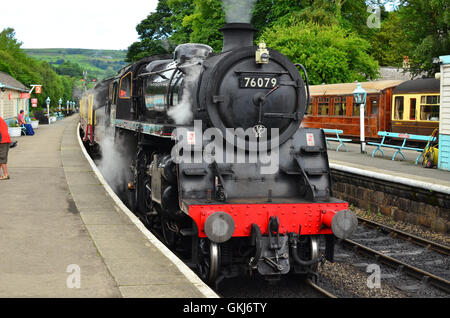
x,y
402,168
56,217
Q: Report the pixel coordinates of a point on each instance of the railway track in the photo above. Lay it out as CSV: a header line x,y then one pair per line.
x,y
429,263
320,289
440,248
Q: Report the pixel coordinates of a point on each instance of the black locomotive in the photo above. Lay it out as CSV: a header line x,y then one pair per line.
x,y
218,162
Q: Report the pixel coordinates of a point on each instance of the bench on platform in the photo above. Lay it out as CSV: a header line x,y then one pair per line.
x,y
337,138
405,138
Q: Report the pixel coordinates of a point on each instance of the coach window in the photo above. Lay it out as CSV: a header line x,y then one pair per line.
x,y
412,109
429,108
125,86
339,106
324,103
374,104
310,106
356,108
398,108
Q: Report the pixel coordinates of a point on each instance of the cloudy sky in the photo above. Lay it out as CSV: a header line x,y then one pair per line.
x,y
87,24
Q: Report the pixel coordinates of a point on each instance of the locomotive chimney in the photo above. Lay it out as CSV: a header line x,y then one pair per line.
x,y
237,35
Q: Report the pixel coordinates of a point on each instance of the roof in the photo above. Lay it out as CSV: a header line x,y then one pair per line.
x,y
348,88
425,85
11,83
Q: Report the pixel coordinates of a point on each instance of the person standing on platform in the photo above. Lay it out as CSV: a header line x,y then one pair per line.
x,y
5,142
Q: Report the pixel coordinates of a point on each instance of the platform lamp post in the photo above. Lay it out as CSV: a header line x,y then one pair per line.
x,y
48,109
59,103
359,97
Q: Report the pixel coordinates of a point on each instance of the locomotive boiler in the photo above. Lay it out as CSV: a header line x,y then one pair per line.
x,y
218,163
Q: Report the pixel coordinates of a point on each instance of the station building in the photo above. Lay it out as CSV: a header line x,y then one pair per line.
x,y
12,96
444,115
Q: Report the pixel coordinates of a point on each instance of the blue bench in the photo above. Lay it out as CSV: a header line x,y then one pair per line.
x,y
337,138
405,138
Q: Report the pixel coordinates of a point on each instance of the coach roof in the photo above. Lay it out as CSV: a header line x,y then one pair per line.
x,y
425,85
348,88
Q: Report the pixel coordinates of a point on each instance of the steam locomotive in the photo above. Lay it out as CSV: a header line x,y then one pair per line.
x,y
218,162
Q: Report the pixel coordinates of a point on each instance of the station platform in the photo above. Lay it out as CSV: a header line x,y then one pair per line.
x,y
385,167
64,234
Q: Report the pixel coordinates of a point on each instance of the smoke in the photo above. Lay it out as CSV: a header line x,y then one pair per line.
x,y
238,11
182,113
113,164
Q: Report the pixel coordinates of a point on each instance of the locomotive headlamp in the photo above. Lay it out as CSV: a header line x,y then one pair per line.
x,y
219,227
262,54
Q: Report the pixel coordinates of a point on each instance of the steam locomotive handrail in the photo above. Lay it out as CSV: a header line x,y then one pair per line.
x,y
260,72
157,73
307,86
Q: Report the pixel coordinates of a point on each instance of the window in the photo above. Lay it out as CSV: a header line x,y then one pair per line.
x,y
429,108
398,108
125,86
324,104
356,108
412,109
114,93
374,103
340,106
309,107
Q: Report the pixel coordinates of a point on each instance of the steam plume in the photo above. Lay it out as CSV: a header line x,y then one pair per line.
x,y
238,11
182,112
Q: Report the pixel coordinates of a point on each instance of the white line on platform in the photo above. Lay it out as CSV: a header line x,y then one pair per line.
x,y
187,272
392,178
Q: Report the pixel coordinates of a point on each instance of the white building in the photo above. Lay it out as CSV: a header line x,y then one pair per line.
x,y
10,101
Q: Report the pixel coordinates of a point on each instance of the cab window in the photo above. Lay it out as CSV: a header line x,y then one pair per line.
x,y
125,90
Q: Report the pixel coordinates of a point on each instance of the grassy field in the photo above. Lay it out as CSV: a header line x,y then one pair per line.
x,y
99,64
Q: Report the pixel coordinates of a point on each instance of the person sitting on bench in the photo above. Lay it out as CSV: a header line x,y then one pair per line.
x,y
22,122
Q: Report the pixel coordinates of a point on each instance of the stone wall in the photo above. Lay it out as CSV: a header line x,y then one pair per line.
x,y
403,203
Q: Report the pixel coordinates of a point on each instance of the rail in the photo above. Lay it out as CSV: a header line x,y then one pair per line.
x,y
320,289
440,248
435,281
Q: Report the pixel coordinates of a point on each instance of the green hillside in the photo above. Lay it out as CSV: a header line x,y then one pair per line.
x,y
99,64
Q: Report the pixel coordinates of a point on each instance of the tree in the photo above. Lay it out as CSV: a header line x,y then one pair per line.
x,y
426,24
205,22
390,43
162,30
330,53
15,62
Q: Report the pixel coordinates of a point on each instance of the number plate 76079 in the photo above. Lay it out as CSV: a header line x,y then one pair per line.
x,y
257,81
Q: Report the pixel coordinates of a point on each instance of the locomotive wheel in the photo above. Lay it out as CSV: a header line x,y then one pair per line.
x,y
169,236
209,261
314,252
